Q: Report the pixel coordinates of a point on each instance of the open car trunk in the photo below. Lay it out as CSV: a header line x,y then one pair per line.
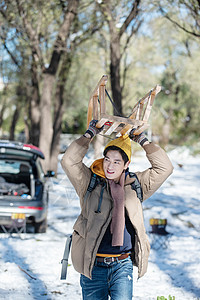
x,y
23,188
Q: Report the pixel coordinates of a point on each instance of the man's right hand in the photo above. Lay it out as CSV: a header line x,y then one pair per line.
x,y
140,138
92,129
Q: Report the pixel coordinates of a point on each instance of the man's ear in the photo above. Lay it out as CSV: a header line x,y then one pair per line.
x,y
126,165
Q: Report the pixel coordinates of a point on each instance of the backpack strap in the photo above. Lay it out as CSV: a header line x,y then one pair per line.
x,y
136,186
94,180
64,261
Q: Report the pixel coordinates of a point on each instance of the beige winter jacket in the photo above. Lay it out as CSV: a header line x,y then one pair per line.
x,y
90,226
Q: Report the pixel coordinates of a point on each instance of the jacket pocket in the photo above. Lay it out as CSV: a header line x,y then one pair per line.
x,y
80,226
79,244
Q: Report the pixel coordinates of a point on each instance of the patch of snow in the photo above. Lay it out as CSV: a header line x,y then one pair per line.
x,y
30,267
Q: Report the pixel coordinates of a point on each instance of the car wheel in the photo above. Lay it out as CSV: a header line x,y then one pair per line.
x,y
41,227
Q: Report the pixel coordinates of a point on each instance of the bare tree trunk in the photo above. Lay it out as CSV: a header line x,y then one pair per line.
x,y
115,72
58,114
26,129
166,132
46,123
34,132
58,110
115,49
3,108
34,107
14,122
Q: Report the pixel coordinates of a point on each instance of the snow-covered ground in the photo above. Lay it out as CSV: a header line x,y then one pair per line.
x,y
30,266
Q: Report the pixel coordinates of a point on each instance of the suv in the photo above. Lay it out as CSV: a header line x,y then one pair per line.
x,y
23,185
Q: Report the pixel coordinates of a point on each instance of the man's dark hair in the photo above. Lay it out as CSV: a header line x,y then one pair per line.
x,y
115,148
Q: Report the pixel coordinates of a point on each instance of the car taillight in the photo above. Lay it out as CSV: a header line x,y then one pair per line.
x,y
31,207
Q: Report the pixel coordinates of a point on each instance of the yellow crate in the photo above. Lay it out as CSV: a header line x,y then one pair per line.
x,y
153,221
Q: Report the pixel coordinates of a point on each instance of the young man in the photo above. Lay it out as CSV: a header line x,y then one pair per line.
x,y
109,235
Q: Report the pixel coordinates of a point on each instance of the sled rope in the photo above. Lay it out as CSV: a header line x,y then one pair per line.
x,y
112,102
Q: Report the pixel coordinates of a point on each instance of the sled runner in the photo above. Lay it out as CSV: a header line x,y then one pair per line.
x,y
117,124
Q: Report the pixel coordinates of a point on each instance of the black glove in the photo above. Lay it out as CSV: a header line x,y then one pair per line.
x,y
140,138
92,129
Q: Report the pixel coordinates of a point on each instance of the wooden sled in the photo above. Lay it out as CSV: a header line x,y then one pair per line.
x,y
115,124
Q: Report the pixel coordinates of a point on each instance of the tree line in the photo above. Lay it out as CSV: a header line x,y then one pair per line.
x,y
53,53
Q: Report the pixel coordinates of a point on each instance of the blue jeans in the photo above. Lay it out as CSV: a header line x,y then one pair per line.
x,y
114,280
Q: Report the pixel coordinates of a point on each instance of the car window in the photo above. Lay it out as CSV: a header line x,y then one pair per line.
x,y
9,167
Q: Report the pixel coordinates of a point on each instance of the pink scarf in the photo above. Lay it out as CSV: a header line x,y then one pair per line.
x,y
118,218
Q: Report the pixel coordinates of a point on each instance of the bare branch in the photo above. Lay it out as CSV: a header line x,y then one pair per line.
x,y
9,52
177,24
30,32
133,13
62,36
27,273
86,34
133,31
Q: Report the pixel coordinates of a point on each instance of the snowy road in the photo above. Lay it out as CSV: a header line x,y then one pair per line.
x,y
30,267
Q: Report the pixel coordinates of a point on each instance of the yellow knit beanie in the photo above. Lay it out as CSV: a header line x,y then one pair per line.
x,y
124,143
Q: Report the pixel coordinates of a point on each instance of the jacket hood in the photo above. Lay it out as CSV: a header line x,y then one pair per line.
x,y
97,167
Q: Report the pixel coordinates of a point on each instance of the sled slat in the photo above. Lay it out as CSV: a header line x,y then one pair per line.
x,y
101,122
102,95
95,107
126,128
112,128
